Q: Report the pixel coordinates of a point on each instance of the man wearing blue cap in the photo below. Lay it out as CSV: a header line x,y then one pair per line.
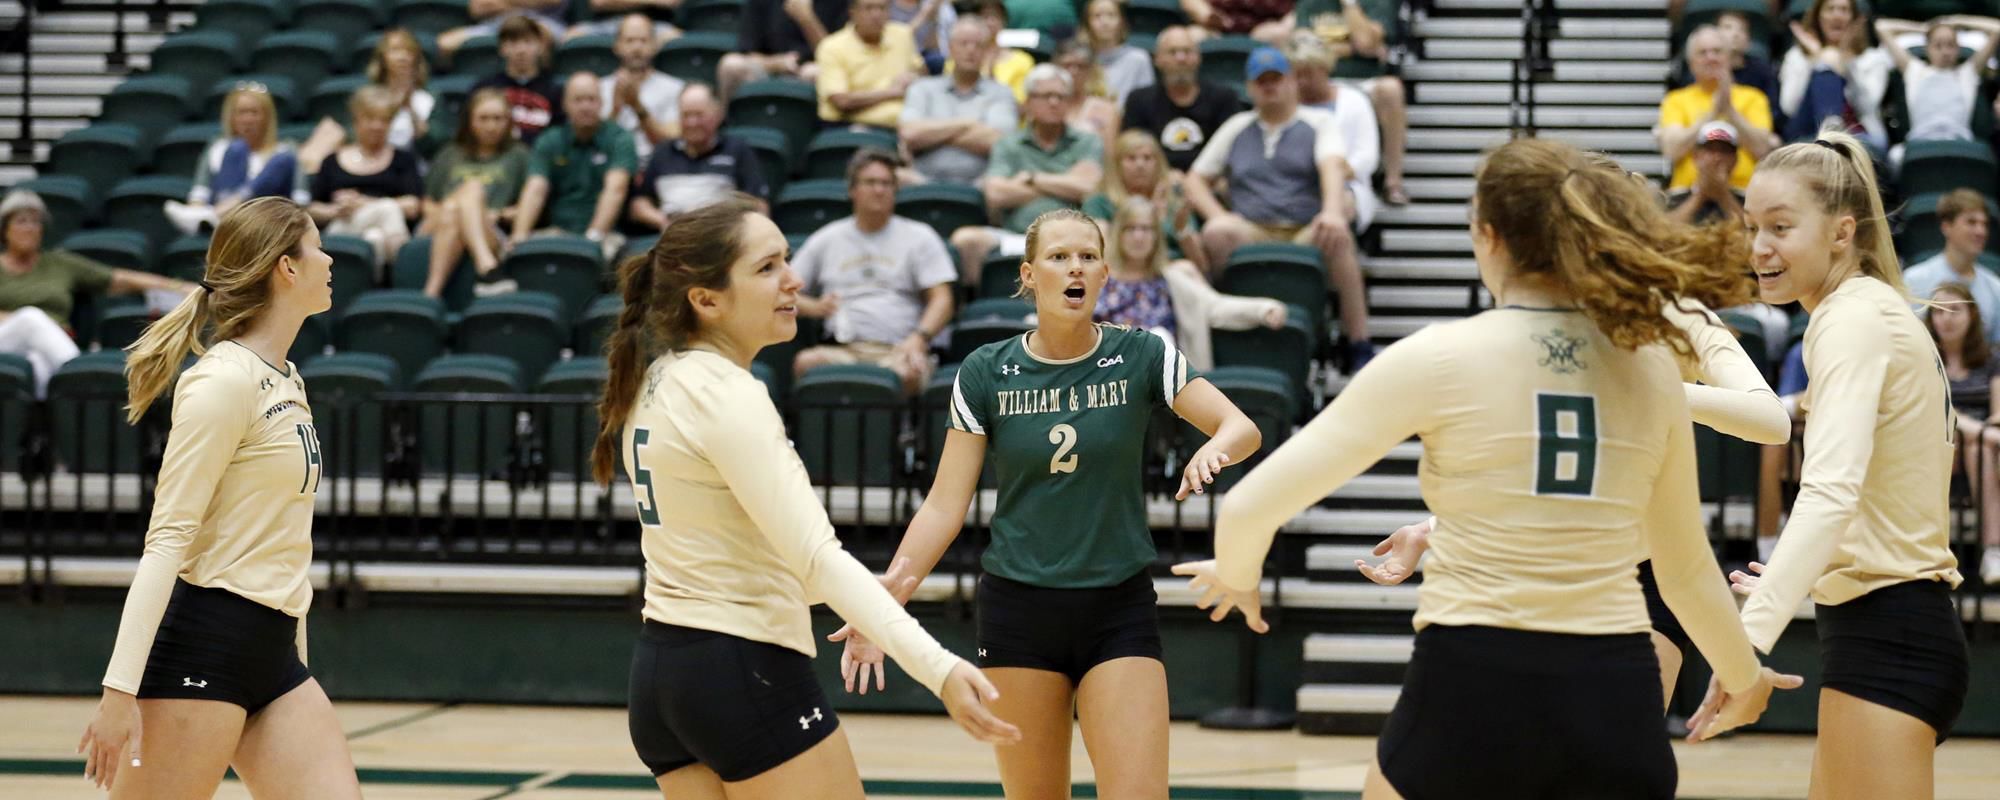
x,y
1288,172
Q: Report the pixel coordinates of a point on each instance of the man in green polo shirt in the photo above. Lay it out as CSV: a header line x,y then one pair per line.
x,y
1043,166
579,170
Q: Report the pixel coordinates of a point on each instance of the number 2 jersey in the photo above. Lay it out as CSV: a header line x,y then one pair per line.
x,y
1067,441
234,505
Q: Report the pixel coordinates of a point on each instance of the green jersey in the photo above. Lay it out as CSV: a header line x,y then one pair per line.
x,y
1068,441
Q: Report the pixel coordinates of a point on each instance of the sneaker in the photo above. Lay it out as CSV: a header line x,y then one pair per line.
x,y
493,282
1358,355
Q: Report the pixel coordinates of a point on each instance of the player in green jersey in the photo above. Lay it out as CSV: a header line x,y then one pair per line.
x,y
1068,621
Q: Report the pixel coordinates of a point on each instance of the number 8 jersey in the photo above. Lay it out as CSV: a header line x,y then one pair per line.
x,y
1067,439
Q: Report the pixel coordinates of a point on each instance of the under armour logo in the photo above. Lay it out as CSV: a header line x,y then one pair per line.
x,y
265,385
805,723
194,683
982,652
1010,369
1112,361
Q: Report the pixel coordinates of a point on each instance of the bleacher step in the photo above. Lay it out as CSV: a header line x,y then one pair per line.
x,y
1427,241
1613,28
1459,189
1437,28
1396,327
1370,648
1575,71
1345,709
1444,70
1610,141
1473,139
1546,115
1423,297
1419,268
1433,92
1423,213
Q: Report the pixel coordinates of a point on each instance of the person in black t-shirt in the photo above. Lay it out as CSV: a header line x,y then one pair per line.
x,y
531,90
700,168
369,188
776,39
1181,109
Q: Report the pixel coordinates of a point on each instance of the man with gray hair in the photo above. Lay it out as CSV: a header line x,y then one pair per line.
x,y
950,123
1713,97
1044,166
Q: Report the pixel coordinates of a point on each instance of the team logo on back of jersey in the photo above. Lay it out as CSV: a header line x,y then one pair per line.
x,y
1559,351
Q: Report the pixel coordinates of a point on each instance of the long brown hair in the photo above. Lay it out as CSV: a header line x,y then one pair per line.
x,y
1836,170
1562,213
1857,31
1974,351
247,244
468,140
1136,212
378,62
694,252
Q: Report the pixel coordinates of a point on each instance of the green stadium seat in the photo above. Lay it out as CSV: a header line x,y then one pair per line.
x,y
466,439
180,148
594,326
354,267
1000,276
1223,58
120,326
1265,395
87,415
774,155
250,20
1153,16
782,105
201,56
848,424
137,203
712,16
807,206
1703,12
71,202
591,53
936,404
342,389
1750,333
329,99
695,55
116,247
185,258
828,153
304,56
779,357
102,154
1288,350
314,337
528,327
985,321
362,51
570,429
413,267
152,103
479,55
1289,273
396,324
568,267
286,97
1941,166
945,207
430,17
347,21
17,404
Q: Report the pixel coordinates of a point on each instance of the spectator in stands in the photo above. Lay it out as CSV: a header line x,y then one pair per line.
x,y
398,65
1713,96
369,188
580,172
882,282
1139,169
1259,18
1356,34
531,89
489,16
642,100
1090,106
1312,65
776,39
1710,198
1125,67
610,14
1832,76
1007,65
1150,290
865,67
1045,165
1182,110
1957,325
38,287
701,168
1939,89
471,189
930,23
1962,217
247,160
1289,180
951,122
1745,68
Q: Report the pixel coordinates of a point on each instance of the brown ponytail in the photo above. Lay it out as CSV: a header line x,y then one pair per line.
x,y
1606,239
696,251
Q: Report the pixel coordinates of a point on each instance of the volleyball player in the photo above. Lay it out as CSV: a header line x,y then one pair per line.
x,y
1869,536
209,672
1555,441
723,698
1068,618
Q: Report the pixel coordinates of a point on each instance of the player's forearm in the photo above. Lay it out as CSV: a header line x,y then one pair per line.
x,y
930,534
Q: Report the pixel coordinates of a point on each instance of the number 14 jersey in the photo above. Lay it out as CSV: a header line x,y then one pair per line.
x,y
1067,441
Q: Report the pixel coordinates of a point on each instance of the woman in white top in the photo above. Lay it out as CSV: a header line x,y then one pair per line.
x,y
724,702
1831,72
1557,450
1869,536
1125,67
209,672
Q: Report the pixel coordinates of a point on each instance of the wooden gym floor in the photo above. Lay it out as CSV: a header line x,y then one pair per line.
x,y
448,752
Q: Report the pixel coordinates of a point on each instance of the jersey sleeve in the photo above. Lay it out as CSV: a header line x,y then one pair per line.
x,y
1689,579
1168,367
1386,403
212,411
1847,354
744,438
970,396
1735,399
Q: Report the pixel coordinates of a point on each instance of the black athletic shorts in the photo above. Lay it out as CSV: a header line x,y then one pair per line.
x,y
1496,714
1900,646
214,644
1664,620
1066,630
738,706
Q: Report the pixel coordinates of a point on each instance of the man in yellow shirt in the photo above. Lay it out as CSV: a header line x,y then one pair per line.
x,y
864,68
1714,96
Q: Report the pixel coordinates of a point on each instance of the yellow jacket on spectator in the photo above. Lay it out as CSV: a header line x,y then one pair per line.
x,y
1688,107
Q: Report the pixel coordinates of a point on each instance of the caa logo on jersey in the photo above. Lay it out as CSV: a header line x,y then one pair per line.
x,y
1112,361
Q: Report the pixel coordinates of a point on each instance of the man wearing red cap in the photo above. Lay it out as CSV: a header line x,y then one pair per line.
x,y
1711,198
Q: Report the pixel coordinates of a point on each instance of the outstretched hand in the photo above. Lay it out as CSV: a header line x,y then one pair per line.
x,y
1201,579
